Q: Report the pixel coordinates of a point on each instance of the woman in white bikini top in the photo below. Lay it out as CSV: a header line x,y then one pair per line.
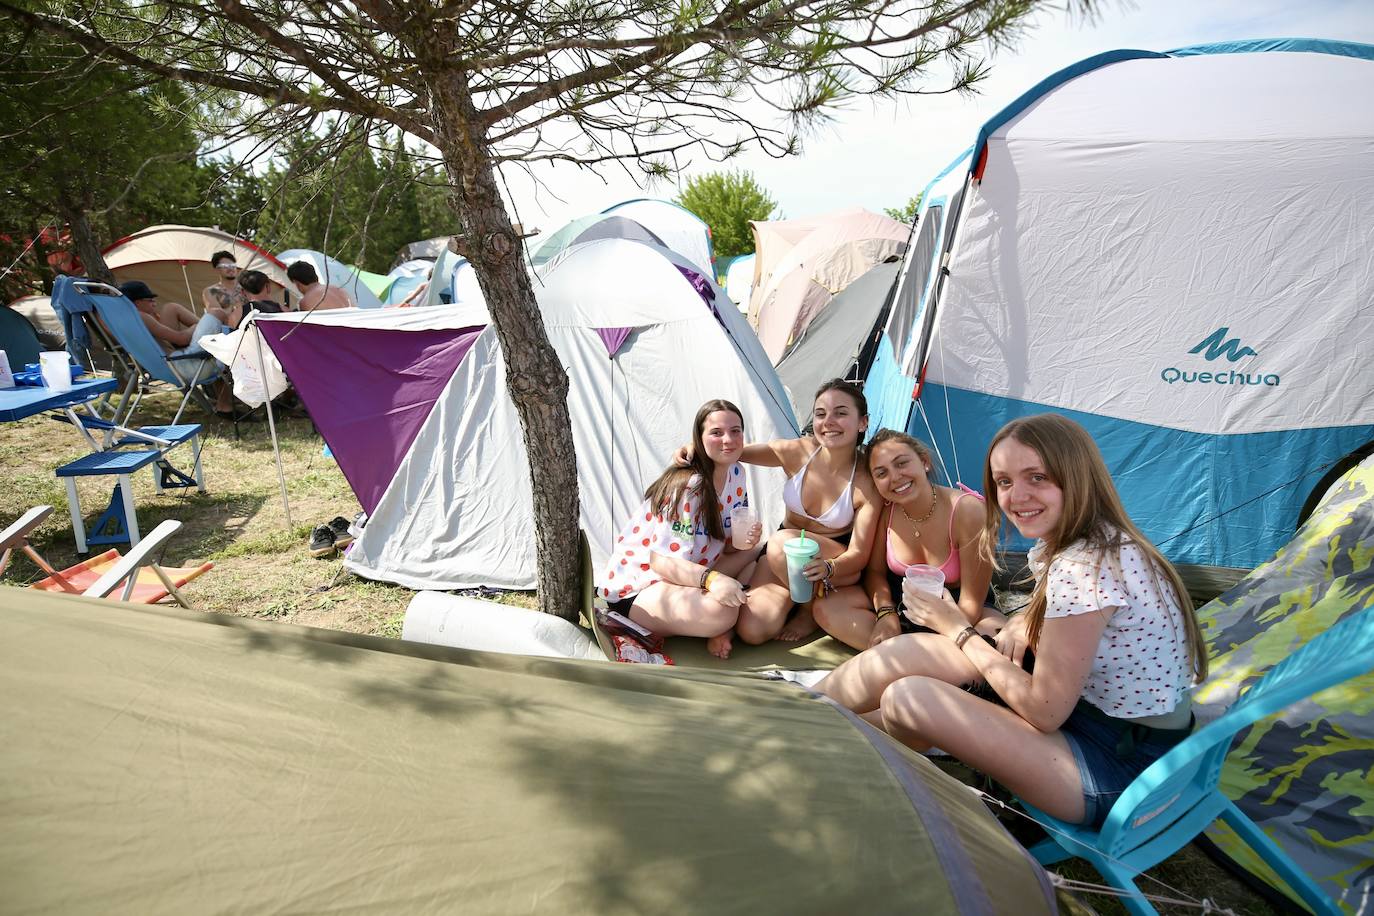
x,y
823,474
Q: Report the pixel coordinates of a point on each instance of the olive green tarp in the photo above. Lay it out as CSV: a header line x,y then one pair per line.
x,y
156,761
1306,775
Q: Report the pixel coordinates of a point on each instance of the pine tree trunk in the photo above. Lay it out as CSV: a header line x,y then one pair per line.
x,y
534,374
87,248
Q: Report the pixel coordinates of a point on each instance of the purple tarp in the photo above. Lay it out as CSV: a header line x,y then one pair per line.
x,y
613,338
368,390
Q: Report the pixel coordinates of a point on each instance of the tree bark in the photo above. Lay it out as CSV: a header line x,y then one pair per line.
x,y
87,248
534,374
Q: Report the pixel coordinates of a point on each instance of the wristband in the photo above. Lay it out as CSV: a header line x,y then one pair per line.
x,y
884,611
708,579
964,636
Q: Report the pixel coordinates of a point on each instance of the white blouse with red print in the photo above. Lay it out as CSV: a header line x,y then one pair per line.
x,y
681,535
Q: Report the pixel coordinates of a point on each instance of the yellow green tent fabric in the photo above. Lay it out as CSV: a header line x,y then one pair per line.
x,y
1305,776
162,761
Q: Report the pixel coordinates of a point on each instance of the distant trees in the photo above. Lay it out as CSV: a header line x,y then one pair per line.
x,y
906,214
727,201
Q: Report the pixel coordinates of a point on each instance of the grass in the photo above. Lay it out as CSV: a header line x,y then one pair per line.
x,y
263,570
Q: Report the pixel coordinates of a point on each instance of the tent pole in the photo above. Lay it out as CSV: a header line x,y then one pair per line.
x,y
272,424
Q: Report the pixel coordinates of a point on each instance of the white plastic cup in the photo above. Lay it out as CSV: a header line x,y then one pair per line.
x,y
921,579
56,369
742,521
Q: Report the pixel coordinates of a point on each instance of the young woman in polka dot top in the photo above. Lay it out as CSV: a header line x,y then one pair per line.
x,y
1115,639
672,569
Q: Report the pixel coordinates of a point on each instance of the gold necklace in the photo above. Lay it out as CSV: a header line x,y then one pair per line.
x,y
934,497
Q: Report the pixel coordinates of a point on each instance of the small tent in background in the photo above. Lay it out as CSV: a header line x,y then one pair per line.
x,y
838,343
739,280
1220,371
335,273
808,263
590,228
1306,776
175,262
422,250
677,227
426,434
453,281
167,761
38,311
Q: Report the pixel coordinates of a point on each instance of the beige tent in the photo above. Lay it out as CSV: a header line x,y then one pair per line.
x,y
800,265
175,261
166,761
38,311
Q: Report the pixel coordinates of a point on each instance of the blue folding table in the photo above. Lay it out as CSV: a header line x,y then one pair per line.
x,y
105,459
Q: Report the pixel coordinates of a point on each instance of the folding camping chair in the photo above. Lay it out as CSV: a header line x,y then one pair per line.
x,y
120,329
1176,798
16,536
144,580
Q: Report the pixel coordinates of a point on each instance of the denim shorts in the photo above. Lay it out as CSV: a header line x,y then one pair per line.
x,y
1110,754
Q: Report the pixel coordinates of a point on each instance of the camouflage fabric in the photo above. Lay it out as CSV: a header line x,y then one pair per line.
x,y
1305,776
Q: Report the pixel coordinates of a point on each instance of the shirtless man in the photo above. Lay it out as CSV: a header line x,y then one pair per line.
x,y
176,329
314,294
224,294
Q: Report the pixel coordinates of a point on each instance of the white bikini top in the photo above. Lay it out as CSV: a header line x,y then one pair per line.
x,y
839,516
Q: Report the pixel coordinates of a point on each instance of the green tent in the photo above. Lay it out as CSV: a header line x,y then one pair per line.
x,y
1306,776
157,760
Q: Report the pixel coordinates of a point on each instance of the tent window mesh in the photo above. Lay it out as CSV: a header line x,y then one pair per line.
x,y
906,307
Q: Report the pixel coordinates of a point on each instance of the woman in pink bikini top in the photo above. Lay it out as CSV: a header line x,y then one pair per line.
x,y
921,523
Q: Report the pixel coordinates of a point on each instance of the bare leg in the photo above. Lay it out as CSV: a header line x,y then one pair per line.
x,y
803,623
859,683
847,615
739,565
677,610
1038,767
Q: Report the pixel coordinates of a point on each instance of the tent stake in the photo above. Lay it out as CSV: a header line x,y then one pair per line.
x,y
272,424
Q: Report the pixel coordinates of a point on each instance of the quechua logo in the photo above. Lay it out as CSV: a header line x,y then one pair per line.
x,y
1212,347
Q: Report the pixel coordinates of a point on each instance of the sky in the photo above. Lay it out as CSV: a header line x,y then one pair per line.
x,y
879,154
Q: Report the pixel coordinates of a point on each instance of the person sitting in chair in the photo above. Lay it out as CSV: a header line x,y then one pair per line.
x,y
254,285
224,294
178,331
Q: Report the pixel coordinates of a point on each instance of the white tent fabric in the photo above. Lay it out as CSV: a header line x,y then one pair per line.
x,y
335,273
838,249
739,280
175,261
458,512
680,229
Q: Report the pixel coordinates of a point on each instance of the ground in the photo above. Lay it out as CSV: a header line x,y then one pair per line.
x,y
263,569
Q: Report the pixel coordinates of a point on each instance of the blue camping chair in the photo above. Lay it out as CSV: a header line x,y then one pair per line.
x,y
80,301
1176,798
18,339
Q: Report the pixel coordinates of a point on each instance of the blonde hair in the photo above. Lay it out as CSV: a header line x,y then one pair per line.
x,y
1092,513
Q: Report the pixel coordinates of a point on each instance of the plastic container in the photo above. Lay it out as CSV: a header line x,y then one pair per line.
x,y
742,519
920,578
56,368
799,552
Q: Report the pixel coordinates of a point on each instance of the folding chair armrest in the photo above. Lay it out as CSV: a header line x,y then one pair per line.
x,y
147,553
17,534
173,357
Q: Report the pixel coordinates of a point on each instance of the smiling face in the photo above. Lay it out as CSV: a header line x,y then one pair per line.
x,y
837,419
1025,491
900,474
722,436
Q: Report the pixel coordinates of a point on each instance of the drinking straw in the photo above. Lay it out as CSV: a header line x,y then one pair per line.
x,y
803,536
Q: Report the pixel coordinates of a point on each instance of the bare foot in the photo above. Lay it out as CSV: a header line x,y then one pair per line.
x,y
720,646
799,627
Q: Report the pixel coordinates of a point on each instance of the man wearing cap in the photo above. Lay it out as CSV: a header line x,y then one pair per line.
x,y
224,294
177,330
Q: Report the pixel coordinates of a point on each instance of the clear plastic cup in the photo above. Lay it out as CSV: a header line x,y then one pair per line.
x,y
742,521
921,579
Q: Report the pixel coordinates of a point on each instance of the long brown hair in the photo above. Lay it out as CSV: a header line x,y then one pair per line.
x,y
665,493
916,445
1092,512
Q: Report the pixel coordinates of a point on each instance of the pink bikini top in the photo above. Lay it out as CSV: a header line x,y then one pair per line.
x,y
950,567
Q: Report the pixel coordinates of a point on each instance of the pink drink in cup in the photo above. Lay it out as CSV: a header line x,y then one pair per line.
x,y
921,579
742,521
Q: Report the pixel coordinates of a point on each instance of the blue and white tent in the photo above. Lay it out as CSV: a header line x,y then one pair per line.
x,y
1173,249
